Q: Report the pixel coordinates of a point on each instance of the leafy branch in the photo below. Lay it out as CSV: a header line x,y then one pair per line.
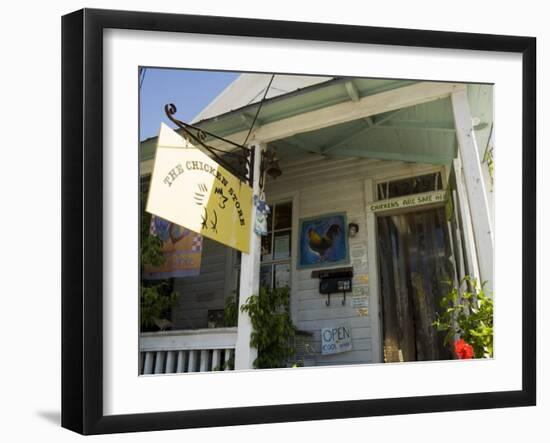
x,y
273,329
469,315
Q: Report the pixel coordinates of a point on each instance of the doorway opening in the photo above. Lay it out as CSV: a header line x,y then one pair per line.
x,y
415,262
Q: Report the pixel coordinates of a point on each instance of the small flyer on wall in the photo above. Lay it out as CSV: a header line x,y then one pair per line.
x,y
282,275
282,247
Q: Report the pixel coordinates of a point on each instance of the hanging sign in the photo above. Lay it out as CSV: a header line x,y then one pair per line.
x,y
192,190
335,340
408,201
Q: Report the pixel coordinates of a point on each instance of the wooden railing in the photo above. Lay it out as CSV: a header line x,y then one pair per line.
x,y
199,350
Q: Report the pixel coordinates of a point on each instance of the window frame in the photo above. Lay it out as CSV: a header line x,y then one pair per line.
x,y
272,262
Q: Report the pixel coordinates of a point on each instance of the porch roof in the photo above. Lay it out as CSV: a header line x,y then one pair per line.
x,y
422,133
419,133
325,91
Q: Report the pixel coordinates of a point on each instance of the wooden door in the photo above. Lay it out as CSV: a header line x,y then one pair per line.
x,y
415,270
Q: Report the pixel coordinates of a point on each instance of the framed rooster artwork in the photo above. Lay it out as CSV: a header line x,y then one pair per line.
x,y
323,241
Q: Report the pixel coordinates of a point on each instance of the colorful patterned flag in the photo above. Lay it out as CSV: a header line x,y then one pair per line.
x,y
182,250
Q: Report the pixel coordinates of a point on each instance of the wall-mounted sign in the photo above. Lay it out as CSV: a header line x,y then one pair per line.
x,y
335,340
281,248
408,201
362,312
360,301
190,189
323,241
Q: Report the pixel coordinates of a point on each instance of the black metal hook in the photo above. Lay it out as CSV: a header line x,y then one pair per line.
x,y
198,135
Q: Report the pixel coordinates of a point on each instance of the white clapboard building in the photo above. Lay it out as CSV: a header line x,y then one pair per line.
x,y
409,164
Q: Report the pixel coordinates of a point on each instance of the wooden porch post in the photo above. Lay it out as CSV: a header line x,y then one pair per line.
x,y
480,213
374,283
250,277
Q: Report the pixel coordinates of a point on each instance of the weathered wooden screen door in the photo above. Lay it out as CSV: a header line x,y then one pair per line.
x,y
415,266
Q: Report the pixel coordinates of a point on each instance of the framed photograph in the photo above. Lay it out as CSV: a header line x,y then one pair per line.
x,y
198,153
323,241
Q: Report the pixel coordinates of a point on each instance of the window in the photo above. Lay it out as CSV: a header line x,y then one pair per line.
x,y
409,186
276,248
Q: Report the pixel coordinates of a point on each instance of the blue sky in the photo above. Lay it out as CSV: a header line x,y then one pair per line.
x,y
189,90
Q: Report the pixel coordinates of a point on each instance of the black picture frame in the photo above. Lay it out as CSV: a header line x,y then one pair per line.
x,y
82,232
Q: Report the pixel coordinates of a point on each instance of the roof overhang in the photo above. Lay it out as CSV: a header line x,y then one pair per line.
x,y
384,119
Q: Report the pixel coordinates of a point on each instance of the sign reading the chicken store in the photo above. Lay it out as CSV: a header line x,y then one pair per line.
x,y
190,189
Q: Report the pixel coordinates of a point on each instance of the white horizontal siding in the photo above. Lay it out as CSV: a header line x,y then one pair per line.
x,y
327,186
324,186
203,292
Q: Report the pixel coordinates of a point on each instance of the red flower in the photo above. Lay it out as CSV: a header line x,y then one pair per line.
x,y
463,349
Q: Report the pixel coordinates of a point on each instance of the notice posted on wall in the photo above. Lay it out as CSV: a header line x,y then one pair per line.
x,y
335,340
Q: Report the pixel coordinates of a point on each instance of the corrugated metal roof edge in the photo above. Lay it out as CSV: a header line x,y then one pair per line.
x,y
298,91
218,97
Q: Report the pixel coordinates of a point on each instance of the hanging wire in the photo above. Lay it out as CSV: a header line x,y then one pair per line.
x,y
258,110
199,135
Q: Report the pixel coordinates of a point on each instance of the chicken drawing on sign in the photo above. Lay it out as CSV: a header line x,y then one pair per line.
x,y
323,241
209,217
321,244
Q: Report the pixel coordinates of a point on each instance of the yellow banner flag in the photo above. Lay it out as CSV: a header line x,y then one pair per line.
x,y
192,190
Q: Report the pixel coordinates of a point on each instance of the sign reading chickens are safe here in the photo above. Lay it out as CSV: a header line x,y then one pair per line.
x,y
190,189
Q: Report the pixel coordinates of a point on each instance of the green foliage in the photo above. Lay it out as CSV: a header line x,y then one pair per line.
x,y
226,365
273,329
155,299
488,158
150,246
230,311
469,314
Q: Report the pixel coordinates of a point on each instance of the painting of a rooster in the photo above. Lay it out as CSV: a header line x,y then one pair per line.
x,y
323,241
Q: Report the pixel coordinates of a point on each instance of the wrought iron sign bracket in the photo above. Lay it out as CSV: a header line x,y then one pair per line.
x,y
198,136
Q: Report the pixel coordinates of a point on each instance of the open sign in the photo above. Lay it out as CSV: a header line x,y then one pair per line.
x,y
335,340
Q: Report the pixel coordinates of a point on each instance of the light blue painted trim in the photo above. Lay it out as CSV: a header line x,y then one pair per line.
x,y
411,158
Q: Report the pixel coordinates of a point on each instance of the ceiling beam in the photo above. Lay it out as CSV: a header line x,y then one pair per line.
x,y
295,143
362,132
352,91
395,156
304,143
248,120
425,126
